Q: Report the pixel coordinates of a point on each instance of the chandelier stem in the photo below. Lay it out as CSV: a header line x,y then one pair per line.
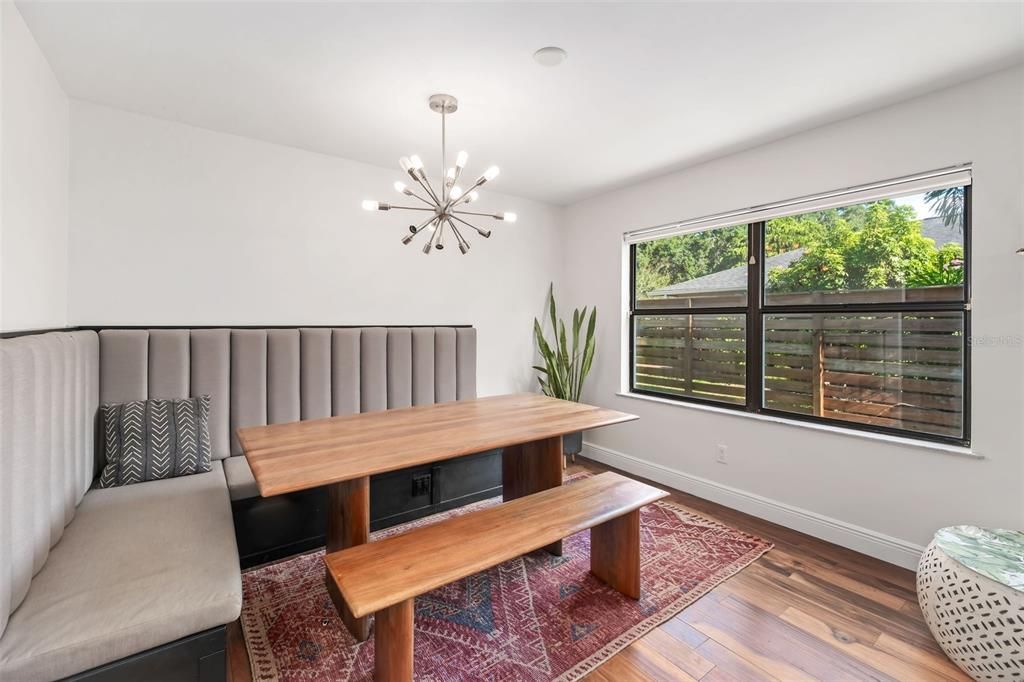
x,y
444,155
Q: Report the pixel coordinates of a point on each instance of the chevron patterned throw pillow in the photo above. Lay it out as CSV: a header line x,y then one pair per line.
x,y
147,440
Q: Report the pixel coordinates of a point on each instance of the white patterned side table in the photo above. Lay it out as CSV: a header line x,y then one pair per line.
x,y
970,584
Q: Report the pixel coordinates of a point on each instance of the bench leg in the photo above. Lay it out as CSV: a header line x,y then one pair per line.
x,y
529,468
615,553
393,643
348,524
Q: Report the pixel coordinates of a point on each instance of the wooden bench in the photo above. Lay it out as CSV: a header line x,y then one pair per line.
x,y
384,577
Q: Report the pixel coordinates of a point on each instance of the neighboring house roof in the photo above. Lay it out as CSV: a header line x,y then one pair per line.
x,y
940,232
735,279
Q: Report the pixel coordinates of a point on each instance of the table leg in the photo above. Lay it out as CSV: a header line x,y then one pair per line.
x,y
529,468
348,524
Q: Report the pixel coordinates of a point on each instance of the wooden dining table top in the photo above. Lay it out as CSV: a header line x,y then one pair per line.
x,y
309,454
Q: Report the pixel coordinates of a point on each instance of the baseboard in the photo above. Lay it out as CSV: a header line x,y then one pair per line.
x,y
881,546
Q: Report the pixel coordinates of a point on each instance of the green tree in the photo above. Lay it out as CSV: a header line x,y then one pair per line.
x,y
866,246
648,276
823,263
684,257
944,268
879,245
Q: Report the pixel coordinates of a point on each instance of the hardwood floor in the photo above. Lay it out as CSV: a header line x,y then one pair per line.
x,y
807,609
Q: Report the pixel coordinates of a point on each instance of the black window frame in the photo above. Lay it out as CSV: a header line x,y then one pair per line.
x,y
756,310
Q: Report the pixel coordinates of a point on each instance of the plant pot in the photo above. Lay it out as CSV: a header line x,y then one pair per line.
x,y
572,444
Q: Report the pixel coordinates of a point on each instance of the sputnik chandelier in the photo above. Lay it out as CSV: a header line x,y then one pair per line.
x,y
443,206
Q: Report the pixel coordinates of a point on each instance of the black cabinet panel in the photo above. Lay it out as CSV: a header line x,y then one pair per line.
x,y
468,476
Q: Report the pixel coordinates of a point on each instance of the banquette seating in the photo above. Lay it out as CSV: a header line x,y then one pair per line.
x,y
138,582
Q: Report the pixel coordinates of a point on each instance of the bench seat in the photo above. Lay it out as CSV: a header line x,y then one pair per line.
x,y
384,577
139,566
377,575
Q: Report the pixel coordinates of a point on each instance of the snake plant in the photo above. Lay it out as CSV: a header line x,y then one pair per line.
x,y
565,367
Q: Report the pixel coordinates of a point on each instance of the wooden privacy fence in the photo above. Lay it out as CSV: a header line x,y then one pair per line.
x,y
887,369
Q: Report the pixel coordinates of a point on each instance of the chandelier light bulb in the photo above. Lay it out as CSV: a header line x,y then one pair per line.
x,y
401,188
509,217
415,162
456,192
461,159
491,173
450,175
370,205
473,196
405,163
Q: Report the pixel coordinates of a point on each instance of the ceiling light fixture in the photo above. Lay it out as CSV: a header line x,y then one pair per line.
x,y
442,205
550,56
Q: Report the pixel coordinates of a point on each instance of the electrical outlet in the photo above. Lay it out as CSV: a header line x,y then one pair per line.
x,y
721,457
421,485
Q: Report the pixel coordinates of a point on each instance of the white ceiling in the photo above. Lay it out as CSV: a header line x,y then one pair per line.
x,y
646,88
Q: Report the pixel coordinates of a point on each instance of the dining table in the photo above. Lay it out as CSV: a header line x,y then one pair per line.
x,y
341,453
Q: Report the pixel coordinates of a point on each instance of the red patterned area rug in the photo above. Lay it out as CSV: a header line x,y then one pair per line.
x,y
537,617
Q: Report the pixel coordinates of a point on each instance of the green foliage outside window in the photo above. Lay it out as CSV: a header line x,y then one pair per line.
x,y
685,257
866,246
873,246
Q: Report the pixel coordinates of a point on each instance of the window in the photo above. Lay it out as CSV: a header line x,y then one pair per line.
x,y
852,313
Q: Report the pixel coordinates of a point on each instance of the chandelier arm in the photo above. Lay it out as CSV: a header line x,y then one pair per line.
x,y
412,208
455,178
463,244
433,236
483,233
421,178
415,230
485,215
465,195
439,242
428,202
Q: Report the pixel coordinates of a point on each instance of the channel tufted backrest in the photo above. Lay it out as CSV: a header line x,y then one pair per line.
x,y
49,392
270,376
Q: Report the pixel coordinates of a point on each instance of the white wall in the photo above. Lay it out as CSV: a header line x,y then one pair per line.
x,y
173,224
33,183
875,496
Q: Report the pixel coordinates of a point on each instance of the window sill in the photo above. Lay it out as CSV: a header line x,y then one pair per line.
x,y
878,437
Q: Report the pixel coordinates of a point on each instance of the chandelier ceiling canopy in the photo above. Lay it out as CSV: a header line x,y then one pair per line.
x,y
446,206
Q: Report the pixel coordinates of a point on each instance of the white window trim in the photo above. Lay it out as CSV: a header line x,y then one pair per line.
x,y
835,427
952,176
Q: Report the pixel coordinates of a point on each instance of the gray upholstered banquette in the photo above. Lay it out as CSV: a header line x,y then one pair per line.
x,y
89,576
271,376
